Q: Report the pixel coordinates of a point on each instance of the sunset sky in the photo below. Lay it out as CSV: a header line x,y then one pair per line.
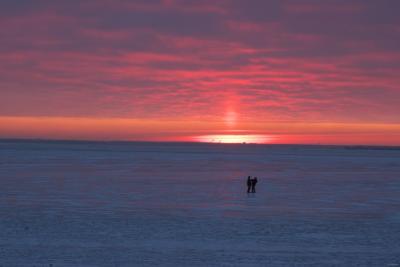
x,y
288,71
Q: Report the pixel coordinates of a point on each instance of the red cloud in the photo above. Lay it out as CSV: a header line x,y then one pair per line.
x,y
166,61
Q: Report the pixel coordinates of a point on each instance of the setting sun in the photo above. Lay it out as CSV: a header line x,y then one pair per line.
x,y
235,138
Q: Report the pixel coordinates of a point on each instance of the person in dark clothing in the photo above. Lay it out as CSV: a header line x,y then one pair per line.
x,y
248,184
253,184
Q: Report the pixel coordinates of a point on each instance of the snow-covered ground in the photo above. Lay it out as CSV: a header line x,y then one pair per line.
x,y
154,204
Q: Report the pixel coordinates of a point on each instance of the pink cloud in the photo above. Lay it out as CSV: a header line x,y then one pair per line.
x,y
197,61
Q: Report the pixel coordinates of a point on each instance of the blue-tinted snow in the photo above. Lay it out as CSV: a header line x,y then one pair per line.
x,y
177,204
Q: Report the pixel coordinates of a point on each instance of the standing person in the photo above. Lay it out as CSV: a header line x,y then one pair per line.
x,y
253,184
248,184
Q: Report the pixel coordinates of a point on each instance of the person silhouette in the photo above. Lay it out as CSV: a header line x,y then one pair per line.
x,y
253,184
248,184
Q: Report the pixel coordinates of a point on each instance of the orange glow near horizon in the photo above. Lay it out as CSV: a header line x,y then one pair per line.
x,y
123,129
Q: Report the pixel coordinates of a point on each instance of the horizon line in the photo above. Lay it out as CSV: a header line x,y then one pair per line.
x,y
394,147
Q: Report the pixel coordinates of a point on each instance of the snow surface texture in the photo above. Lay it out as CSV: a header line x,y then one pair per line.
x,y
152,204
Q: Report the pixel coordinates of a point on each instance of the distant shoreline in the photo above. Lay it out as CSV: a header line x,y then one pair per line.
x,y
59,141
